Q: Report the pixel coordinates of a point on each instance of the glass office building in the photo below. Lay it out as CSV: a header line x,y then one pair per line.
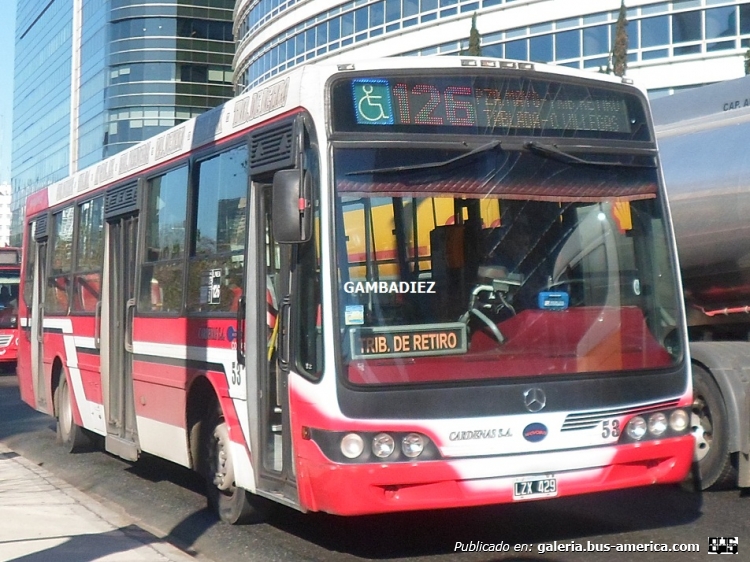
x,y
672,44
41,98
93,77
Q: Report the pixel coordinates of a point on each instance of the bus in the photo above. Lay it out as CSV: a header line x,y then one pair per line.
x,y
402,284
10,278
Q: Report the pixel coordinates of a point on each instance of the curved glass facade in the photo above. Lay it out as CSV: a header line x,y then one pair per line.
x,y
142,66
663,30
93,82
167,63
41,101
658,31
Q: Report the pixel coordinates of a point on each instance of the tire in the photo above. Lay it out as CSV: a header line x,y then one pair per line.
x,y
231,503
710,427
70,435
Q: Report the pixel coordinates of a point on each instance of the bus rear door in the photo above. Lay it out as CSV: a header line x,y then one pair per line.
x,y
117,329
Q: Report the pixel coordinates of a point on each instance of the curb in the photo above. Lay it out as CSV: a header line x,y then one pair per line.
x,y
120,522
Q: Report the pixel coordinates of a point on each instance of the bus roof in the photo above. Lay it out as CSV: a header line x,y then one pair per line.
x,y
702,108
10,257
695,103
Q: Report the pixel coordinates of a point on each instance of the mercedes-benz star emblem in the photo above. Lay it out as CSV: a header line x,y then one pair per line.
x,y
534,399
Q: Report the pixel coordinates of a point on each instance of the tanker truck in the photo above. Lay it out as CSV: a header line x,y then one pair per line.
x,y
703,136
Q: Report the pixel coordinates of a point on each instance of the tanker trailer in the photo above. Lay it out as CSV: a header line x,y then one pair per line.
x,y
703,136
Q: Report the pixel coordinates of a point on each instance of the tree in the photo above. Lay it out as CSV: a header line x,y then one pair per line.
x,y
475,40
620,48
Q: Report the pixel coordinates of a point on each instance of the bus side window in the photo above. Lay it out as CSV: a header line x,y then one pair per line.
x,y
165,216
87,277
87,292
152,296
28,289
58,282
216,265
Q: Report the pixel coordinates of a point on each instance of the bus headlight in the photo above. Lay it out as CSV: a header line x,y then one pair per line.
x,y
679,421
636,428
360,446
383,445
352,445
412,445
657,424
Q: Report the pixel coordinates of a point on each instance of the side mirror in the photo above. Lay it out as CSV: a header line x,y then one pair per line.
x,y
292,211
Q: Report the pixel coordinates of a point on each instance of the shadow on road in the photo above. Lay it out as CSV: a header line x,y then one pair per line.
x,y
430,533
155,469
16,415
87,548
437,532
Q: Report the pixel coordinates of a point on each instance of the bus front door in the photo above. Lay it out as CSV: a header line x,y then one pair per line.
x,y
275,472
36,332
122,437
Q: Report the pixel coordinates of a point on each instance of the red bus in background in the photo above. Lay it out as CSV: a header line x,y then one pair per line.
x,y
10,277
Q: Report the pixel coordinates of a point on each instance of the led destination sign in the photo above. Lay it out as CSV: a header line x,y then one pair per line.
x,y
486,104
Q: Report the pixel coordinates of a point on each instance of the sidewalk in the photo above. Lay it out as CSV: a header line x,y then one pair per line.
x,y
43,519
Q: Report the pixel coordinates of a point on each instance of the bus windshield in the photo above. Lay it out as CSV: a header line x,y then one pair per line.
x,y
487,263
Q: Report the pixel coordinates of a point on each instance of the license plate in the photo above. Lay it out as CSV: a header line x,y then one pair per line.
x,y
529,488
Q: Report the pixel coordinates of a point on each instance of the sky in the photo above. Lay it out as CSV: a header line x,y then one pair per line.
x,y
7,41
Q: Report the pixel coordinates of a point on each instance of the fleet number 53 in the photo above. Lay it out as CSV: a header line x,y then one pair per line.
x,y
610,428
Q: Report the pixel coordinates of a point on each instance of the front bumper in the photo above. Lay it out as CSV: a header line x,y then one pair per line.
x,y
359,489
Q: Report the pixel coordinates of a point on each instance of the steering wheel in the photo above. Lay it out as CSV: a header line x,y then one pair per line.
x,y
474,311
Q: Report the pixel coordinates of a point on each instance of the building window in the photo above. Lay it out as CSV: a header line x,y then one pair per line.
x,y
686,27
595,40
392,10
540,48
516,50
744,19
568,45
655,31
721,22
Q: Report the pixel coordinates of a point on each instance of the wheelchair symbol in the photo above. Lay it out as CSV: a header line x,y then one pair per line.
x,y
372,102
370,105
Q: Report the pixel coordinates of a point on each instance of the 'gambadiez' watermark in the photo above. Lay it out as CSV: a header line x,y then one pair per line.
x,y
384,287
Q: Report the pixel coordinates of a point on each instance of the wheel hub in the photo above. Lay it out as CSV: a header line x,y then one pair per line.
x,y
223,468
701,427
66,411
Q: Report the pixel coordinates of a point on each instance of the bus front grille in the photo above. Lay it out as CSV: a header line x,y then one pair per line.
x,y
592,418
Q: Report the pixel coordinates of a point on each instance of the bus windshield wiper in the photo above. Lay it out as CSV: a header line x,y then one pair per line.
x,y
552,151
430,165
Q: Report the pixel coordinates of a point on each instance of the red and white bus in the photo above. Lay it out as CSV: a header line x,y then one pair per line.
x,y
10,279
361,288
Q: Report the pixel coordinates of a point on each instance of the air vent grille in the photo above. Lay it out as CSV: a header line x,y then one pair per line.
x,y
121,200
272,148
41,228
587,420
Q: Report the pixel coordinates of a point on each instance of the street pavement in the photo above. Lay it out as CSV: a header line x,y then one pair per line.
x,y
44,519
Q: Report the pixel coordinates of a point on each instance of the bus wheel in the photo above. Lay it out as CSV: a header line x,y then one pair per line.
x,y
711,431
231,502
71,436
